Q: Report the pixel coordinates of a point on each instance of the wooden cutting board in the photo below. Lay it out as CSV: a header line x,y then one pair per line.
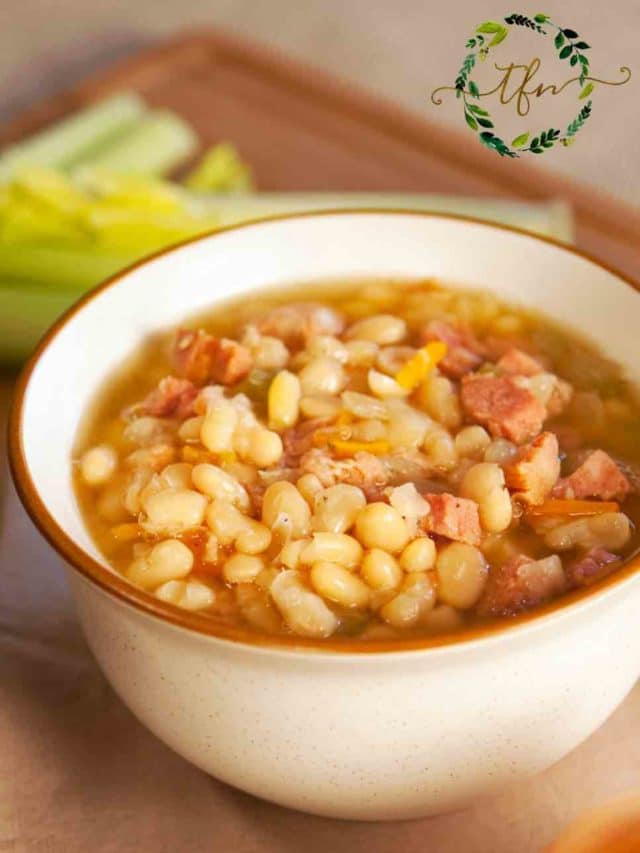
x,y
302,130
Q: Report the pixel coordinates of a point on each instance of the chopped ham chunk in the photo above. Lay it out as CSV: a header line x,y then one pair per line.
x,y
364,470
597,477
464,352
172,397
500,404
201,358
516,362
231,362
298,439
453,517
521,583
535,470
296,324
591,567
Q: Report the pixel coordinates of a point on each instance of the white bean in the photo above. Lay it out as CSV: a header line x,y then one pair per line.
x,y
98,465
169,560
381,570
334,548
484,483
219,485
322,375
337,507
242,568
339,585
190,595
218,427
610,530
462,574
384,386
283,501
381,329
304,612
419,555
283,400
379,525
173,510
264,447
411,604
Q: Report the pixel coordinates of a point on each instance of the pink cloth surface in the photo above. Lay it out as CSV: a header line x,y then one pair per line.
x,y
78,773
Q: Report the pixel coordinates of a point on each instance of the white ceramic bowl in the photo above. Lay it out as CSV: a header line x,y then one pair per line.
x,y
384,733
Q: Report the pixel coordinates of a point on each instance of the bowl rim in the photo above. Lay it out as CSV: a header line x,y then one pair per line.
x,y
111,583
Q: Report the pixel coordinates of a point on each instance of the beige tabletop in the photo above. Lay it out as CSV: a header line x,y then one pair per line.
x,y
79,773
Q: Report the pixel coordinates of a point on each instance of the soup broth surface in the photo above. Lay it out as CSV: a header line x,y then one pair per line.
x,y
363,461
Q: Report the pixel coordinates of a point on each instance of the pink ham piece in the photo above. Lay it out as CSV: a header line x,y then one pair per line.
x,y
231,362
296,324
516,362
598,477
591,567
520,584
464,352
201,358
173,397
535,470
298,439
453,517
364,470
500,404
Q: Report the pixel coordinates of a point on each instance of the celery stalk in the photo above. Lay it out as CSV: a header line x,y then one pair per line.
x,y
159,142
25,315
221,169
71,139
75,269
120,230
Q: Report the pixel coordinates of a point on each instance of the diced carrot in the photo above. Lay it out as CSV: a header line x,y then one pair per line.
x,y
416,369
345,448
556,506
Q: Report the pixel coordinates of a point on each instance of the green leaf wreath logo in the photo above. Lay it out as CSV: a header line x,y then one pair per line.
x,y
569,47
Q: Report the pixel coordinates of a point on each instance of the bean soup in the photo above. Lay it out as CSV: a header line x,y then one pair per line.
x,y
388,459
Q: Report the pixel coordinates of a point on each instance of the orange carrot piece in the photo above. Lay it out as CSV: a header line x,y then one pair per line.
x,y
556,506
416,369
345,448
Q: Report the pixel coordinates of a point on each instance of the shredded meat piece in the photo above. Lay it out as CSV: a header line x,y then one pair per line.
x,y
535,470
408,465
256,492
500,404
453,517
201,357
464,352
520,584
516,362
172,397
298,439
597,477
597,563
364,470
231,362
296,324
